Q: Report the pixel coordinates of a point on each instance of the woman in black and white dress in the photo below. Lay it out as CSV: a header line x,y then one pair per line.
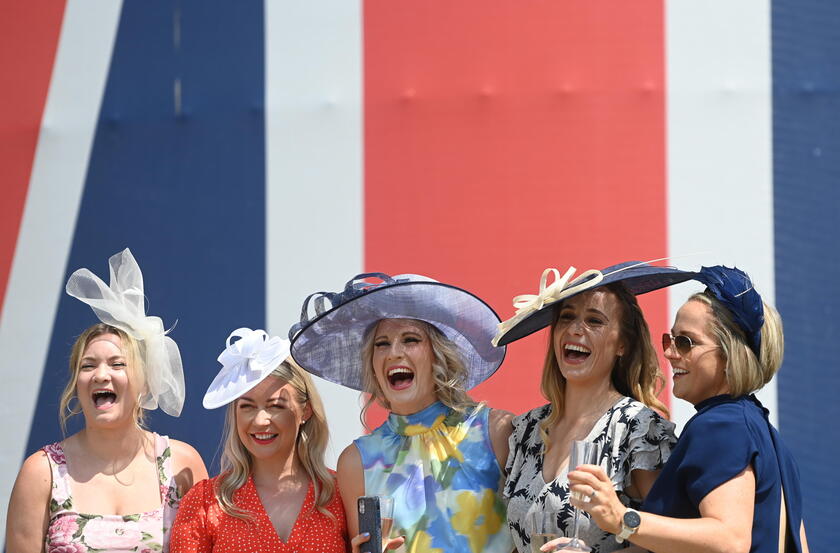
x,y
601,376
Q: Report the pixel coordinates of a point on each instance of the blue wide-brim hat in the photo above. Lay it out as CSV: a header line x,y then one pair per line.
x,y
536,312
329,343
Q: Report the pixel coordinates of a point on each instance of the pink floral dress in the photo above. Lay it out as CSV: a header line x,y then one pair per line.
x,y
73,532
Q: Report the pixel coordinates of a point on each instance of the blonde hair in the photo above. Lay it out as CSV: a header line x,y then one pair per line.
x,y
636,373
745,372
135,369
448,371
310,444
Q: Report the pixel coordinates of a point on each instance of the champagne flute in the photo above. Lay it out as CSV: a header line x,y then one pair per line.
x,y
386,515
583,453
544,527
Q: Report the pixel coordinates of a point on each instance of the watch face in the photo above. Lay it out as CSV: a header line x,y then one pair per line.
x,y
632,519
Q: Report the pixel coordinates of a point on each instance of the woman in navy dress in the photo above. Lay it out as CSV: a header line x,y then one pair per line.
x,y
730,485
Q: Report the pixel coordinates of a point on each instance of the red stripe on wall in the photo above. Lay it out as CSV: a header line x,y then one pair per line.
x,y
29,34
502,138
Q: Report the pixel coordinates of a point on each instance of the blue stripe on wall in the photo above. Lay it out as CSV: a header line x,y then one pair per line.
x,y
806,173
177,173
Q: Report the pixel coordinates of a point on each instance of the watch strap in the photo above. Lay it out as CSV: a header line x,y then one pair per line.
x,y
626,531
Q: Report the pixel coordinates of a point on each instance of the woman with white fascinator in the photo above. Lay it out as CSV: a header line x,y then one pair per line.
x,y
114,485
274,493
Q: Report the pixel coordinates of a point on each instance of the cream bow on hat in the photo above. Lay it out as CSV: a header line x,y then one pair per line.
x,y
536,311
245,363
122,305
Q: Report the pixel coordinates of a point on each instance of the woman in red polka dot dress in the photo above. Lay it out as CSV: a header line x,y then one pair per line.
x,y
274,493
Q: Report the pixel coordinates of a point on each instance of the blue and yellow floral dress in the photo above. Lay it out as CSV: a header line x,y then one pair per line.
x,y
440,468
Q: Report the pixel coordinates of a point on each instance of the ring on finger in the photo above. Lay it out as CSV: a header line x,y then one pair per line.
x,y
593,495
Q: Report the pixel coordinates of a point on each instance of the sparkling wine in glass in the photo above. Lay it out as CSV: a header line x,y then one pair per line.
x,y
386,514
583,453
544,526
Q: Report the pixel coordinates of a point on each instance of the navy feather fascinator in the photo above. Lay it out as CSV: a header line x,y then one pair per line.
x,y
735,290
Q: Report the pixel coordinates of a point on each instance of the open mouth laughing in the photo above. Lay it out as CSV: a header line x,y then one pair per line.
x,y
677,372
575,353
400,378
103,398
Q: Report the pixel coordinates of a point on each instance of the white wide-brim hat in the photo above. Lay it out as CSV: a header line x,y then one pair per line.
x,y
329,343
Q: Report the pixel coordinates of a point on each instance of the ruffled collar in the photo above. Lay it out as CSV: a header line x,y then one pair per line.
x,y
421,422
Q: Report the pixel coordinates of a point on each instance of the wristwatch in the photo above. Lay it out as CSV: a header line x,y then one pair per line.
x,y
629,525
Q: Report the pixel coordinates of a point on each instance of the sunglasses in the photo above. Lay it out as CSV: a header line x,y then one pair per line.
x,y
682,344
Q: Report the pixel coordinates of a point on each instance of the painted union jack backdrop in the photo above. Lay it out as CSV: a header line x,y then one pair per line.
x,y
252,152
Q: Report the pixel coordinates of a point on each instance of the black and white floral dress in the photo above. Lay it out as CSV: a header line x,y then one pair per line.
x,y
630,436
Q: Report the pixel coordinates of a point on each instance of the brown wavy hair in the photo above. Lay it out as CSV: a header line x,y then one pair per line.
x,y
636,374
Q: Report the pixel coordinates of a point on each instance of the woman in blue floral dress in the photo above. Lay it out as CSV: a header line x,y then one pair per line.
x,y
416,346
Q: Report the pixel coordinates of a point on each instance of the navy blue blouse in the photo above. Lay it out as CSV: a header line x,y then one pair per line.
x,y
727,434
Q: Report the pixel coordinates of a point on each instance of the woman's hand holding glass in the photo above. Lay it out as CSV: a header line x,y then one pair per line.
x,y
386,514
583,452
544,528
591,483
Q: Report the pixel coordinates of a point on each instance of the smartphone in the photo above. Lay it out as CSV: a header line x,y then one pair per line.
x,y
370,521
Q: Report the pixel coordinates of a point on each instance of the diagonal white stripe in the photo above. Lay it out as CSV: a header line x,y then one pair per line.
x,y
314,170
49,218
720,186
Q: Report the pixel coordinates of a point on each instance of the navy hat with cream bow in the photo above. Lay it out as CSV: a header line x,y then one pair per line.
x,y
328,343
535,312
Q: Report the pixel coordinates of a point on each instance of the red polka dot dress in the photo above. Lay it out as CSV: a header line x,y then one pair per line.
x,y
201,526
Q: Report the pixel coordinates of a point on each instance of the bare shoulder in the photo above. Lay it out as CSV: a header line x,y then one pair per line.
x,y
351,480
28,512
501,427
351,477
184,452
500,416
349,463
187,465
35,475
501,423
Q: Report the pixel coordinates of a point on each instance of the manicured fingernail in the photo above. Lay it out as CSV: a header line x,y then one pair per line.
x,y
366,534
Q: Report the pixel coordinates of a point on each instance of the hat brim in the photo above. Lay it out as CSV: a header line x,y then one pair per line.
x,y
639,278
230,385
330,346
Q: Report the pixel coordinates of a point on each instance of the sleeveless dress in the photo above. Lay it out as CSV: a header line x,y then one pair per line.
x,y
72,532
440,468
630,436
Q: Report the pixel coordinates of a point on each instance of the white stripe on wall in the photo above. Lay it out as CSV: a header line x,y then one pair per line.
x,y
719,110
36,281
314,170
